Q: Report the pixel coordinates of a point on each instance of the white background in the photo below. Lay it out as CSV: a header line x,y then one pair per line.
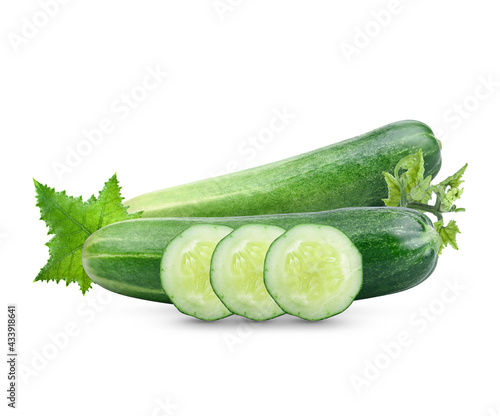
x,y
228,70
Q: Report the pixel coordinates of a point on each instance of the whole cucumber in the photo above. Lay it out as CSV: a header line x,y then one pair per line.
x,y
344,174
399,247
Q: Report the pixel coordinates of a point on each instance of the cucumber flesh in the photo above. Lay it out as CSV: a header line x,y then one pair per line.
x,y
399,247
313,271
237,271
185,272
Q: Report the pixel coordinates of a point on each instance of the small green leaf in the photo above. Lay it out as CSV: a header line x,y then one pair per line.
x,y
422,192
415,175
394,190
449,192
72,220
449,198
454,180
447,233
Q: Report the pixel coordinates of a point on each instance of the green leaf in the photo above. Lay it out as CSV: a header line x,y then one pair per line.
x,y
72,220
394,190
447,233
422,191
417,189
449,198
415,175
449,192
454,180
411,190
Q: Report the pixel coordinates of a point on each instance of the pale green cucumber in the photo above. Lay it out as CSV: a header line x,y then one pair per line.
x,y
237,271
185,272
313,271
344,174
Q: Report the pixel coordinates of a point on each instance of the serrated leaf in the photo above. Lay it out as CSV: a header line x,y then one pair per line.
x,y
447,233
394,191
449,198
72,220
411,190
422,192
417,189
415,175
454,180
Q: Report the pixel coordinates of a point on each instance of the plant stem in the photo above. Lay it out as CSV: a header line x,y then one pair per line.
x,y
426,208
402,183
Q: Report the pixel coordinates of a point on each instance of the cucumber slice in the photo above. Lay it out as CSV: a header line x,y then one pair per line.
x,y
313,271
237,271
185,272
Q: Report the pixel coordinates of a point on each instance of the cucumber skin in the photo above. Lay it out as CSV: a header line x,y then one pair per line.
x,y
344,174
399,247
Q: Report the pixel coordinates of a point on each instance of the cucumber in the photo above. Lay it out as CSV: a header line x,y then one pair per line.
x,y
399,247
185,272
237,271
313,271
344,174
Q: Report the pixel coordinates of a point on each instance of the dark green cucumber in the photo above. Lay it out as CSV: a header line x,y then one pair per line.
x,y
344,174
399,247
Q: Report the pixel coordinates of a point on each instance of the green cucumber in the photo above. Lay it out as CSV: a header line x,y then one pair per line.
x,y
185,272
313,271
344,174
237,271
399,247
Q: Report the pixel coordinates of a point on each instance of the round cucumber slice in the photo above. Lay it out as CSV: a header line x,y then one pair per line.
x,y
185,272
237,271
313,271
